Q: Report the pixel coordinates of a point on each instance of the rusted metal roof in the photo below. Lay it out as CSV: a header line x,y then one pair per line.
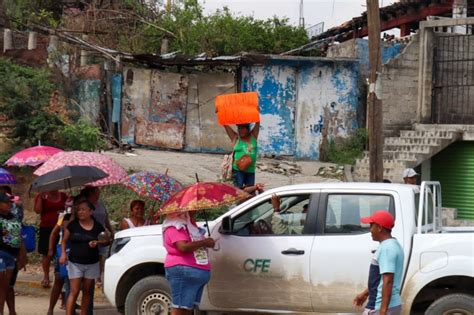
x,y
408,11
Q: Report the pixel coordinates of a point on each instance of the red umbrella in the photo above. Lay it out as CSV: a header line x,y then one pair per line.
x,y
201,196
33,156
79,158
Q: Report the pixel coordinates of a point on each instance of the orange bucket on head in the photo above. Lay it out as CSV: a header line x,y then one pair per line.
x,y
237,108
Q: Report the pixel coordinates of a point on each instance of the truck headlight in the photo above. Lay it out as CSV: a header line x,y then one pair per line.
x,y
118,244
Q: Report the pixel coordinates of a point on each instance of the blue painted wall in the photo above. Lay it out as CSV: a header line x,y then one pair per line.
x,y
303,102
389,51
276,87
327,105
88,98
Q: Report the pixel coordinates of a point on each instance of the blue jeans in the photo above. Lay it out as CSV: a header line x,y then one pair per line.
x,y
243,179
187,284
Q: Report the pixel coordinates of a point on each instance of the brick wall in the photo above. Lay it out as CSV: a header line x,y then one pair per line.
x,y
400,89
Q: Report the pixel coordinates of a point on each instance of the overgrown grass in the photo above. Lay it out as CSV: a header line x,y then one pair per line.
x,y
347,150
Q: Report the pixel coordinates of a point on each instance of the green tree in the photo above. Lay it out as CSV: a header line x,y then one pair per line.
x,y
24,96
21,12
223,33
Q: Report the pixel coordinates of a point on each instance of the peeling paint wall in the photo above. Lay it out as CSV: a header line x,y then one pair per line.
x,y
203,133
327,105
136,99
88,97
276,87
303,105
164,109
164,123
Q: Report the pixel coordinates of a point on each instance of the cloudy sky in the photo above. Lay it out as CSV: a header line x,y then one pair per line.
x,y
331,12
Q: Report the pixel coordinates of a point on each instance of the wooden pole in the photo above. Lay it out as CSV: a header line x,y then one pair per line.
x,y
375,119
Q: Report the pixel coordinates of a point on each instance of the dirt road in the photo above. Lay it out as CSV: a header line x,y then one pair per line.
x,y
184,166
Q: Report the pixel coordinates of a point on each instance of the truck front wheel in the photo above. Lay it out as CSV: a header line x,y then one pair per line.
x,y
149,296
459,304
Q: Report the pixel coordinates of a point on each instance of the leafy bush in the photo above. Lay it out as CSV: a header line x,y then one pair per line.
x,y
24,96
82,136
347,150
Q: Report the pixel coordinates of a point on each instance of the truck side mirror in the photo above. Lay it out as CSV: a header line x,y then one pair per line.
x,y
226,226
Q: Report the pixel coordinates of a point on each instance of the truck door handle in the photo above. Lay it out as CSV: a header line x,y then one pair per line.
x,y
293,251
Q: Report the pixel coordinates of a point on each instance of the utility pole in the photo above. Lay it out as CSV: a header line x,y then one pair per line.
x,y
301,14
165,40
375,118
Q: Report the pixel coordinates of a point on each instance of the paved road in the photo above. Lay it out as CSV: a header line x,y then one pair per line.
x,y
28,305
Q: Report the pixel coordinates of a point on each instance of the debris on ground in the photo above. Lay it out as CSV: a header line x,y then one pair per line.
x,y
332,171
279,167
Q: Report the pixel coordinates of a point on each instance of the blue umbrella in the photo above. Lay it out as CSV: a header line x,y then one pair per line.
x,y
6,178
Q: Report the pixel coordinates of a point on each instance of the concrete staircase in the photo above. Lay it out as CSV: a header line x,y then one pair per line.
x,y
410,149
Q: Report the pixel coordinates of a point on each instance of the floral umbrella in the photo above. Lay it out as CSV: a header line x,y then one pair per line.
x,y
6,178
201,196
79,158
33,156
159,187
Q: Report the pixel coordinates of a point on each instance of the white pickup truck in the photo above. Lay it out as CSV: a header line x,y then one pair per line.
x,y
311,256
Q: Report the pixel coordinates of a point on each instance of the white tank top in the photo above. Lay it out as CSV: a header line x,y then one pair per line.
x,y
131,225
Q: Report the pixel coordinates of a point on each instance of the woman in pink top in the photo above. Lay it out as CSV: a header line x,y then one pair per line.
x,y
187,262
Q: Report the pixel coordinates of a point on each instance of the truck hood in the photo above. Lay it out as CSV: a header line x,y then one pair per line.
x,y
150,230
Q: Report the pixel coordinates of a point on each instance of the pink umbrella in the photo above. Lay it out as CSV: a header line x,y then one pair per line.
x,y
33,156
79,158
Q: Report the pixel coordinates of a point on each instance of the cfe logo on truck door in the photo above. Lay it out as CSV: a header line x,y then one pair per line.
x,y
257,265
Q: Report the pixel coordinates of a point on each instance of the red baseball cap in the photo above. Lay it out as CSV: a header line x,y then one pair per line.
x,y
380,217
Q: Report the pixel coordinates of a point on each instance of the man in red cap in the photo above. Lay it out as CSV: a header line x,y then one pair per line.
x,y
386,268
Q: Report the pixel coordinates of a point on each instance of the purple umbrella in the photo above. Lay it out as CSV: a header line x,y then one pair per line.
x,y
6,178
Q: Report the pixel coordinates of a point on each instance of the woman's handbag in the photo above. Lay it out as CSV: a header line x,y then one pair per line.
x,y
226,166
244,162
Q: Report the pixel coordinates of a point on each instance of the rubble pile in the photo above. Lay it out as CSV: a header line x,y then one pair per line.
x,y
279,167
333,171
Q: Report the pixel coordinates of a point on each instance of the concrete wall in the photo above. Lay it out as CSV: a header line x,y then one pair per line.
x,y
304,104
203,134
327,105
136,99
276,87
174,115
400,89
164,122
358,48
88,91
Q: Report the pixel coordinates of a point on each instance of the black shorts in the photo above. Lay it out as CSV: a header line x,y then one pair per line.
x,y
43,241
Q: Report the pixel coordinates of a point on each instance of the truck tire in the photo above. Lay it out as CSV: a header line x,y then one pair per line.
x,y
459,304
149,296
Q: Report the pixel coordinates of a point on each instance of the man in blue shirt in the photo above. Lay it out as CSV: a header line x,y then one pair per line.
x,y
386,269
